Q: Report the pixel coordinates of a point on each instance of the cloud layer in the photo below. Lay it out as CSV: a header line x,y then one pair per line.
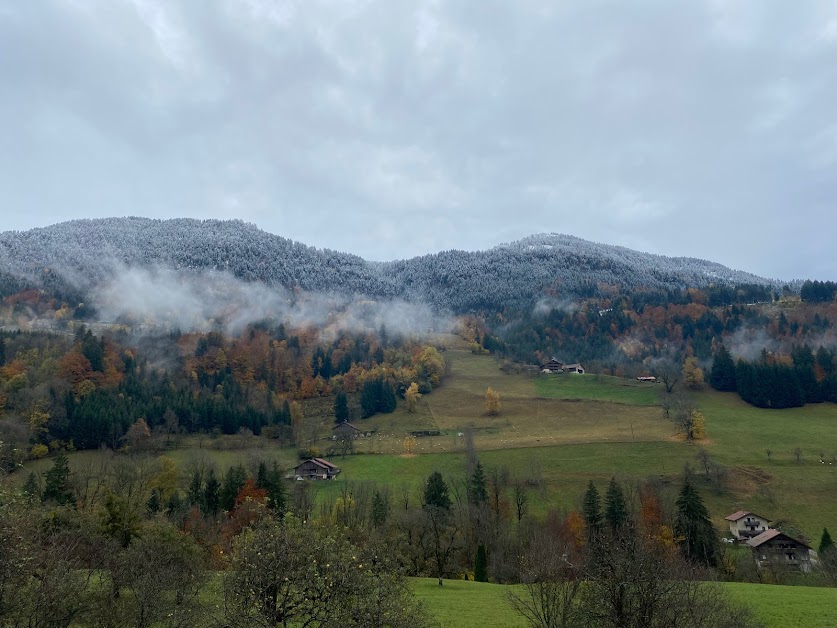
x,y
207,301
391,128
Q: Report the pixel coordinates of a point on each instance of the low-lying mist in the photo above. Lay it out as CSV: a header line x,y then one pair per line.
x,y
207,301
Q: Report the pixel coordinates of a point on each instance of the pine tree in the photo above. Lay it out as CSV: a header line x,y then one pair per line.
x,y
275,490
175,503
481,565
380,509
722,375
196,496
592,510
826,544
233,482
369,394
57,482
388,402
154,504
616,510
261,476
212,494
477,491
436,492
2,351
30,488
341,408
699,542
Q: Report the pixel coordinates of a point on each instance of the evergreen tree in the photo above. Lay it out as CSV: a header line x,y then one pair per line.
x,y
261,476
826,544
616,510
436,492
233,482
481,565
175,503
699,542
380,509
341,408
592,510
477,491
212,494
57,482
2,351
722,375
196,495
388,402
276,490
30,488
369,393
154,504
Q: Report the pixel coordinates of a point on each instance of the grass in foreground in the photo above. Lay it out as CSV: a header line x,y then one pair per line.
x,y
467,604
481,605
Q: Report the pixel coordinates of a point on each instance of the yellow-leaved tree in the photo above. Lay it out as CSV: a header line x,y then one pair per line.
x,y
492,402
692,374
697,429
412,395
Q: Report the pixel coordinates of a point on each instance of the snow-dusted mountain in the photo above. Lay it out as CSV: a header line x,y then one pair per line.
x,y
74,256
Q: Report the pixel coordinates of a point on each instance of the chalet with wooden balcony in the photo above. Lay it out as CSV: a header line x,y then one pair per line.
x,y
745,525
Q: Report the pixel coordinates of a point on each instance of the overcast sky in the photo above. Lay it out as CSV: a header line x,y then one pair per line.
x,y
391,129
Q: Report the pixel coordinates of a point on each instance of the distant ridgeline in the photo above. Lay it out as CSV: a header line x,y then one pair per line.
x,y
67,259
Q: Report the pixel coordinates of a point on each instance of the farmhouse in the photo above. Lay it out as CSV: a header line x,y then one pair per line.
x,y
553,366
775,549
315,469
346,431
574,368
744,524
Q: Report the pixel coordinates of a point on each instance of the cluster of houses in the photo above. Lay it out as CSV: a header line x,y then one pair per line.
x,y
555,366
771,548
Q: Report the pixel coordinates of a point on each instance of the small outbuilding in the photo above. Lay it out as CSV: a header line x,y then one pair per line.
x,y
744,524
574,368
315,469
346,431
775,549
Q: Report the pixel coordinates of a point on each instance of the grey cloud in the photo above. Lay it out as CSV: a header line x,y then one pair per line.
x,y
393,128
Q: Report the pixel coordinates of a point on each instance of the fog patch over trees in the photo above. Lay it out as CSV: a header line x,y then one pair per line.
x,y
209,300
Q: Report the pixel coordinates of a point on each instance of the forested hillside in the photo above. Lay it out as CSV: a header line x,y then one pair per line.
x,y
68,259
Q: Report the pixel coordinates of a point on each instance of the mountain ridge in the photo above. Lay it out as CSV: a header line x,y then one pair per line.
x,y
80,253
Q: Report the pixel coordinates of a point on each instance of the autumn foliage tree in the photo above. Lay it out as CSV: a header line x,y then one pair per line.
x,y
492,402
692,374
412,395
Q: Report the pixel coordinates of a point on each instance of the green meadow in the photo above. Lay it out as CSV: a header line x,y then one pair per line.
x,y
558,432
481,605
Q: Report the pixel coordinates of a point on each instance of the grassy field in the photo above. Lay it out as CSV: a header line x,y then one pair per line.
x,y
559,432
467,604
480,605
597,388
536,411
